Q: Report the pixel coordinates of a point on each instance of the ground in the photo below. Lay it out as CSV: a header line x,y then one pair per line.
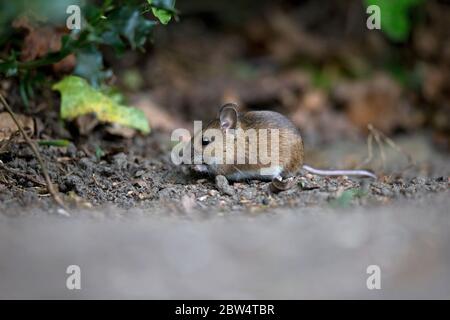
x,y
140,174
291,253
140,227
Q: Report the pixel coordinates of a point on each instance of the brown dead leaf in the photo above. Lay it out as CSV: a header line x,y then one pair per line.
x,y
86,123
118,130
41,40
378,101
65,65
156,115
8,127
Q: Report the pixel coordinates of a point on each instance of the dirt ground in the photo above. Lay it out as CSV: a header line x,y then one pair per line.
x,y
140,227
190,70
144,177
293,253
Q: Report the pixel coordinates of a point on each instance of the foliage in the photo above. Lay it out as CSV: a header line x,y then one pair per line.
x,y
55,143
346,198
162,9
79,98
120,25
115,24
395,19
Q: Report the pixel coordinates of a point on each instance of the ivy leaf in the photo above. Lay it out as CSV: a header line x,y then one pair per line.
x,y
395,20
79,98
90,66
162,9
10,66
128,23
112,38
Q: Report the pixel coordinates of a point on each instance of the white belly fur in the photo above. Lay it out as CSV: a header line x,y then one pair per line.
x,y
263,174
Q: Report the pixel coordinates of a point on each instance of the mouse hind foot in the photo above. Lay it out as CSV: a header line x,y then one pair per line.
x,y
281,184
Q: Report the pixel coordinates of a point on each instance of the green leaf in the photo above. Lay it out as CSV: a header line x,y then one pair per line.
x,y
127,22
346,198
79,98
162,9
10,66
113,93
99,153
395,20
112,38
56,143
90,66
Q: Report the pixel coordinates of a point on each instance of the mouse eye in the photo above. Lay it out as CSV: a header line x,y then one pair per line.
x,y
207,140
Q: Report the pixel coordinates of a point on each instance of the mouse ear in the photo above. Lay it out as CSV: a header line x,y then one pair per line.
x,y
228,116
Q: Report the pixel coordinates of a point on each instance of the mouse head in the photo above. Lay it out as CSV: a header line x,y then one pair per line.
x,y
209,144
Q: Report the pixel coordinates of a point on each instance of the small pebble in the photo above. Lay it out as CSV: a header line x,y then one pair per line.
x,y
223,185
213,193
120,160
139,173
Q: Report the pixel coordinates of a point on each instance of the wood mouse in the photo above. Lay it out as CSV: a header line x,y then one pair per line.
x,y
290,157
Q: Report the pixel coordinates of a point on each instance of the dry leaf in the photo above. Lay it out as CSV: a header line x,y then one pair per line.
x,y
156,115
41,40
378,101
8,126
118,130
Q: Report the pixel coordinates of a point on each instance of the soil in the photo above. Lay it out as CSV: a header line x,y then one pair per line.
x,y
140,227
138,173
292,253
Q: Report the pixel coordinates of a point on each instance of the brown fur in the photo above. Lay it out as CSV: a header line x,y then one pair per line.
x,y
290,142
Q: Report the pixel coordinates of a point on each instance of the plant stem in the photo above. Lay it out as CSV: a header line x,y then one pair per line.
x,y
33,147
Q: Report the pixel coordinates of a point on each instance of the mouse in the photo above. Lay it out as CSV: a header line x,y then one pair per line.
x,y
289,152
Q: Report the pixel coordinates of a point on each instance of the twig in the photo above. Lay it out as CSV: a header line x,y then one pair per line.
x,y
369,152
22,175
33,147
393,145
376,136
381,139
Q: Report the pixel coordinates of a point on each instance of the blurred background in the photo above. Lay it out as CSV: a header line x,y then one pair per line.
x,y
315,61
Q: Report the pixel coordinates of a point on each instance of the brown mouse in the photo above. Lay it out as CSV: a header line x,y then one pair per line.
x,y
289,152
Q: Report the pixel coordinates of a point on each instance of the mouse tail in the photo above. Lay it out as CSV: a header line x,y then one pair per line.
x,y
363,173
